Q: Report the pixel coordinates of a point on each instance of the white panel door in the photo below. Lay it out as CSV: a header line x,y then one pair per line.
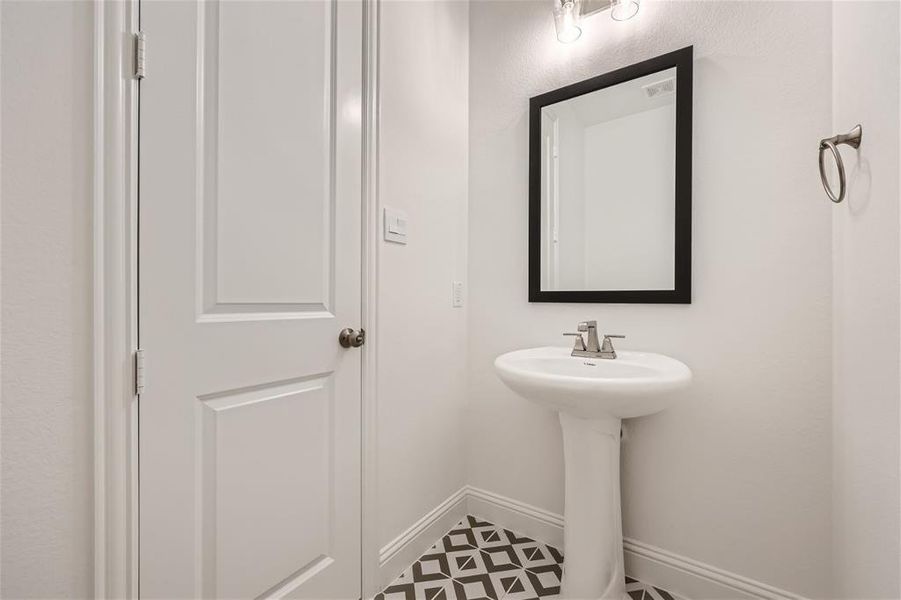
x,y
250,202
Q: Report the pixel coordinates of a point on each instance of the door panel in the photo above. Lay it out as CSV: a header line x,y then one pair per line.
x,y
250,418
263,503
268,197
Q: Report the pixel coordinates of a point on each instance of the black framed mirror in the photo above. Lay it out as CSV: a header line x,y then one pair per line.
x,y
610,186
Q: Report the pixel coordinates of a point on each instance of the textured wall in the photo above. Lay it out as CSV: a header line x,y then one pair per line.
x,y
866,508
46,78
421,338
738,474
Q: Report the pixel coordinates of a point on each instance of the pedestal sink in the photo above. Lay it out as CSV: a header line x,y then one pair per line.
x,y
592,396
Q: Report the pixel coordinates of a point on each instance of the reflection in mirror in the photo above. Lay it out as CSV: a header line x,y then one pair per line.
x,y
608,203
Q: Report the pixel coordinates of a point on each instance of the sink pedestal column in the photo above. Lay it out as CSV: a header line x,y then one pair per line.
x,y
593,531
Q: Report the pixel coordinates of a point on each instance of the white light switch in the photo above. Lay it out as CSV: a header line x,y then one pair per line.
x,y
395,226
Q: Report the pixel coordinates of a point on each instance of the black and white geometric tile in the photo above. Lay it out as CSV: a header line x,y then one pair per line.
x,y
479,560
643,591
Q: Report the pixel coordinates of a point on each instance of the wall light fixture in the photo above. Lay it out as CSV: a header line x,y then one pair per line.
x,y
621,10
568,14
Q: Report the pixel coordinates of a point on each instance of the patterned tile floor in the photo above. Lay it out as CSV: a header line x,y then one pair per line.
x,y
478,560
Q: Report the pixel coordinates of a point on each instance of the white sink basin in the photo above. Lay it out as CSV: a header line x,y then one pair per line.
x,y
592,396
633,384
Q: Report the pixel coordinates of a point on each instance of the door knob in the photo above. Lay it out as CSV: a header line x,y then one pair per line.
x,y
351,338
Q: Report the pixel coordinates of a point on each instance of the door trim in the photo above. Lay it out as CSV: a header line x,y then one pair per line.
x,y
369,409
115,325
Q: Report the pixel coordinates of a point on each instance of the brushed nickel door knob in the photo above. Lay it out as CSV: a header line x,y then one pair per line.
x,y
351,338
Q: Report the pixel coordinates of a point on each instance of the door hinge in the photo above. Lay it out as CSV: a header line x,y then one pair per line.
x,y
140,54
139,371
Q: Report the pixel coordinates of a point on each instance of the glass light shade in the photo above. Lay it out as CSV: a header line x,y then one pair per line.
x,y
567,14
621,10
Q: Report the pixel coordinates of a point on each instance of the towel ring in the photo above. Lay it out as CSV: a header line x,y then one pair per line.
x,y
852,138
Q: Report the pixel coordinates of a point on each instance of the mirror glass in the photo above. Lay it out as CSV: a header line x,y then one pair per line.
x,y
608,205
610,186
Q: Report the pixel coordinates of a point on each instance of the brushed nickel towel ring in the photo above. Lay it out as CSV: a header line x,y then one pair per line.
x,y
852,138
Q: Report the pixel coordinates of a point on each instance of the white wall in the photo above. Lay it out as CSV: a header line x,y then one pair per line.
x,y
866,306
46,545
421,339
738,474
571,199
628,189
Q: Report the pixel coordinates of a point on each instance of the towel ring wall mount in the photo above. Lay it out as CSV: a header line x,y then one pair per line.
x,y
852,138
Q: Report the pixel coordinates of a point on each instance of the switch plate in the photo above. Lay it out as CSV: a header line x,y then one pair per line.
x,y
458,294
395,226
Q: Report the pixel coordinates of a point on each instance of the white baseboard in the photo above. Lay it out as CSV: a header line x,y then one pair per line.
x,y
402,551
517,516
683,576
693,579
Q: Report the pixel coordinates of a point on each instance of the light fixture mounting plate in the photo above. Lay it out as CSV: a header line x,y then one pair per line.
x,y
589,7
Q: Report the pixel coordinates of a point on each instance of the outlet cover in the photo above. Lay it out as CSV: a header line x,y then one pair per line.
x,y
458,294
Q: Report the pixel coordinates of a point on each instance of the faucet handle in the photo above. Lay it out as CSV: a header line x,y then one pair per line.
x,y
579,342
607,345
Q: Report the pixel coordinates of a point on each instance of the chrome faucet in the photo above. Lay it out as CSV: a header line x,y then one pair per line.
x,y
592,349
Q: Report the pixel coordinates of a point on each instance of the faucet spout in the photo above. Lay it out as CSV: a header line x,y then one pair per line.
x,y
591,348
591,327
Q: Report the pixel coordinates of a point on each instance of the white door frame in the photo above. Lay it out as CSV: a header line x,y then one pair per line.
x,y
115,301
115,327
370,543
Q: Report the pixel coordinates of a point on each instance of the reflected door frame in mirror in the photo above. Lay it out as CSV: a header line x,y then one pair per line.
x,y
681,60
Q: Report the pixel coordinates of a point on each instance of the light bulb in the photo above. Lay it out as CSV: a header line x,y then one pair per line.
x,y
621,10
567,14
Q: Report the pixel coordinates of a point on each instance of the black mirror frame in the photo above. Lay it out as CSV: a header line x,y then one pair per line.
x,y
681,294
